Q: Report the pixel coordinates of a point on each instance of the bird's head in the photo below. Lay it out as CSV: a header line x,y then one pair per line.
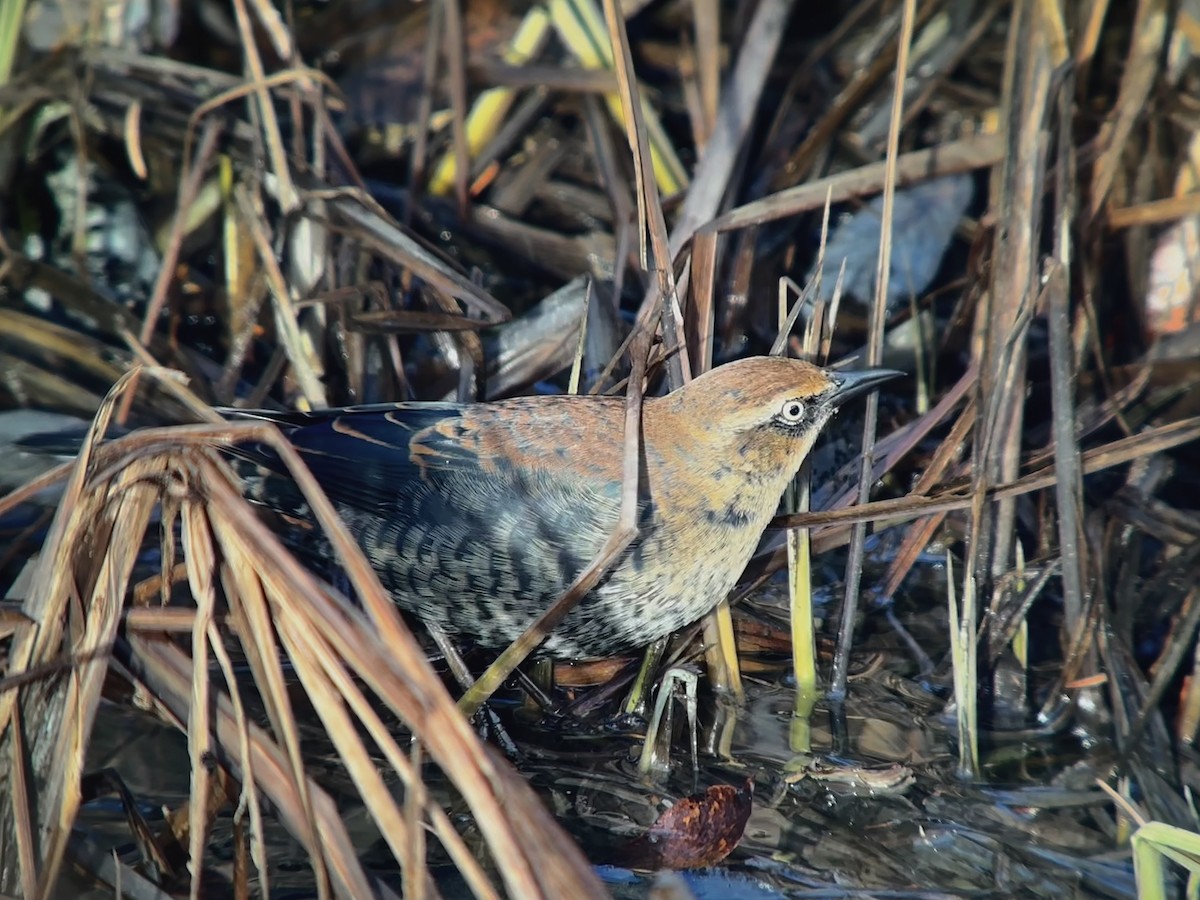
x,y
762,414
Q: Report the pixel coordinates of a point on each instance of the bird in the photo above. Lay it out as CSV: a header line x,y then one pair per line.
x,y
478,516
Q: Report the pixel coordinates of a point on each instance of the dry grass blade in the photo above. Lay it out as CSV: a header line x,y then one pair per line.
x,y
56,341
662,300
920,535
707,19
1139,74
65,705
975,152
298,349
165,672
799,546
455,41
377,230
1069,488
1020,187
23,812
418,160
964,654
117,528
387,657
112,494
201,565
285,190
328,688
255,633
332,685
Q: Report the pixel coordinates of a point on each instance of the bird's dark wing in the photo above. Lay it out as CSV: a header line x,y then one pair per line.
x,y
360,455
366,457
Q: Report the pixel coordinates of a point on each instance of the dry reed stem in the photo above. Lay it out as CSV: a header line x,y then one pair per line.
x,y
878,317
455,50
716,168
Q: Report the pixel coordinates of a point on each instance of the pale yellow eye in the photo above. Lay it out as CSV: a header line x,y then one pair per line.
x,y
792,412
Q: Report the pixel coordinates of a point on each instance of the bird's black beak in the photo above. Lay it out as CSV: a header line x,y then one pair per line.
x,y
848,385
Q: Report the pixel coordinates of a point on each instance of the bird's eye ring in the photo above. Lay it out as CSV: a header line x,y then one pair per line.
x,y
792,412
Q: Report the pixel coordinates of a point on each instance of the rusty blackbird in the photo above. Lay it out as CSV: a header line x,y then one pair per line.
x,y
478,516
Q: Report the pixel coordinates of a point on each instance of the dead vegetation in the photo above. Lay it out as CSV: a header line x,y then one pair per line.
x,y
308,206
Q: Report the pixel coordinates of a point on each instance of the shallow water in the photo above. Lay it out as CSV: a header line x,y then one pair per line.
x,y
876,804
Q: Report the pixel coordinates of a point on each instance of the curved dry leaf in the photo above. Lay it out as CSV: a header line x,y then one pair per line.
x,y
700,830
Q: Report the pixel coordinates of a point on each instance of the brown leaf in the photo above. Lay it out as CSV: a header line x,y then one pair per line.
x,y
699,830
